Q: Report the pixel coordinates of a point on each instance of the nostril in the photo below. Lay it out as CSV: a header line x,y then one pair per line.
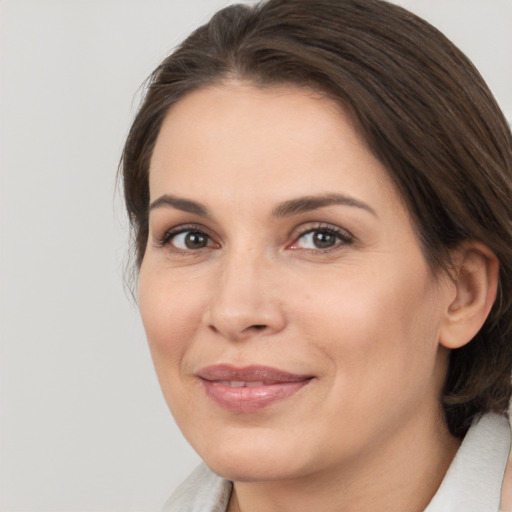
x,y
258,327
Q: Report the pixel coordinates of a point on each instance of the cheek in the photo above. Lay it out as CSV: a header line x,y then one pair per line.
x,y
171,312
380,322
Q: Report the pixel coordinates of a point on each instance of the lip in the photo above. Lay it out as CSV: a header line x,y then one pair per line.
x,y
255,387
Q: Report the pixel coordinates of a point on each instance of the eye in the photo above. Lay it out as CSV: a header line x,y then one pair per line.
x,y
321,238
187,239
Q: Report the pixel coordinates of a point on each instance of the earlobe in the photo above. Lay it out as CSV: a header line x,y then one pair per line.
x,y
475,277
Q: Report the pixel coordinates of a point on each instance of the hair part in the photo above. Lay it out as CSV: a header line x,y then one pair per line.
x,y
420,105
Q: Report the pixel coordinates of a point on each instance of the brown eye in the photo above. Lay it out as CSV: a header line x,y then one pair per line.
x,y
190,240
318,239
196,240
322,238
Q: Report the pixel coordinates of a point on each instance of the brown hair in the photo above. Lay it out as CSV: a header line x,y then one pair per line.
x,y
424,111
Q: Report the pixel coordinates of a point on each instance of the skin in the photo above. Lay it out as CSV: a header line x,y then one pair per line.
x,y
366,317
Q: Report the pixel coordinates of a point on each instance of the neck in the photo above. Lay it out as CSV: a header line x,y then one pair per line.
x,y
401,474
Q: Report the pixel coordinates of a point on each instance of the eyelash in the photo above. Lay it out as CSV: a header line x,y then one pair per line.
x,y
343,236
170,235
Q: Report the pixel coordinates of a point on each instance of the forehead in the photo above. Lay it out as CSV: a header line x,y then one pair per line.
x,y
286,140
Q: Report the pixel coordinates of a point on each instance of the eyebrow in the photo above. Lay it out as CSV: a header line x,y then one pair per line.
x,y
308,203
180,203
285,209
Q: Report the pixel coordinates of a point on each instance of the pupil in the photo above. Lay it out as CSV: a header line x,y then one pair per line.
x,y
195,241
323,240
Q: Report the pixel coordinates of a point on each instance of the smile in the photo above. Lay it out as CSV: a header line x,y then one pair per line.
x,y
249,389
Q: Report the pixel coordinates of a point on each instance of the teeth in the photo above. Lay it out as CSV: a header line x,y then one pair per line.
x,y
241,383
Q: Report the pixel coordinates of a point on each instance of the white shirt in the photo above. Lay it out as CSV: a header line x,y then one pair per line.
x,y
472,483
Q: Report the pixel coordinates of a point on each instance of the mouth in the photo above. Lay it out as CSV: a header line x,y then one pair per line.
x,y
251,388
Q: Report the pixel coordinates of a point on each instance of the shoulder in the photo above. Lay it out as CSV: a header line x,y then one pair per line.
x,y
202,491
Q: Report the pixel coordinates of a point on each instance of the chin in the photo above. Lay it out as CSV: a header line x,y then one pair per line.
x,y
243,471
254,465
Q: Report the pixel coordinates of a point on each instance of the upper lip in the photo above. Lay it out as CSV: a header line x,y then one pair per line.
x,y
253,373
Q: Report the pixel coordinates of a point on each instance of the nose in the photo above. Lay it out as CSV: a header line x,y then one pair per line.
x,y
246,300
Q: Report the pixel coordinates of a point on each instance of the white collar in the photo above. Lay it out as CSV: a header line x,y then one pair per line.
x,y
475,477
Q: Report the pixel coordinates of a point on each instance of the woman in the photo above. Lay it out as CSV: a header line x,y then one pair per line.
x,y
320,198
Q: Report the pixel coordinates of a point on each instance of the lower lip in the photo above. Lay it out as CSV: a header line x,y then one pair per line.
x,y
251,398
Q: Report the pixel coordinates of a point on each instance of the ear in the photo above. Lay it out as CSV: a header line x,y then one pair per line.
x,y
475,278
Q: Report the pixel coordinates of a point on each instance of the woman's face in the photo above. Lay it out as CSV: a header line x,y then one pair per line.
x,y
292,318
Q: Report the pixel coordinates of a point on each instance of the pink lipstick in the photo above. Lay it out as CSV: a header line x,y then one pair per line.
x,y
251,388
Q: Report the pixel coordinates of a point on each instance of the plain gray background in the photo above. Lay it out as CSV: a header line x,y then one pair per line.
x,y
83,425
